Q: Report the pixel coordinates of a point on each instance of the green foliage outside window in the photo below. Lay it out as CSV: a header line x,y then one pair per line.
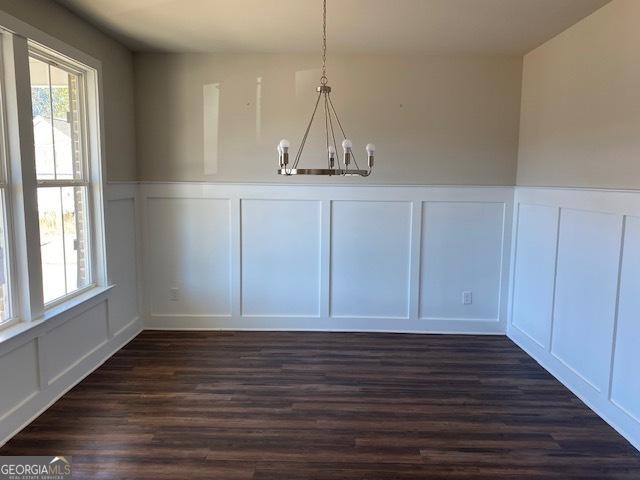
x,y
41,104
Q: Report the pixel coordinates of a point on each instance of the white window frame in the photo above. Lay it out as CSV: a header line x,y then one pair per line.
x,y
18,41
5,189
54,59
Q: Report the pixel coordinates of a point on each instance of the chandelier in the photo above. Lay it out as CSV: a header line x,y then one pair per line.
x,y
333,166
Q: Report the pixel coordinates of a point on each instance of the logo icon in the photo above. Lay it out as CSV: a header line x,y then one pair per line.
x,y
35,468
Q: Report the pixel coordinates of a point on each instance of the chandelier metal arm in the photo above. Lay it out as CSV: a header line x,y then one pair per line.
x,y
333,135
326,131
306,133
333,113
344,135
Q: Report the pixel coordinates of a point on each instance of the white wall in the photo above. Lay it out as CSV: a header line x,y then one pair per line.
x,y
43,362
436,120
576,266
117,74
580,113
248,256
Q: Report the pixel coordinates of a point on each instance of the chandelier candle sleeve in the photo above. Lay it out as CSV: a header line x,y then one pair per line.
x,y
332,126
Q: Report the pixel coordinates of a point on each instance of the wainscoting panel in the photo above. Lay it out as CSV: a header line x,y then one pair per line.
x,y
535,271
625,383
17,389
574,305
586,287
370,257
41,361
346,258
123,271
461,252
124,256
68,344
188,246
281,257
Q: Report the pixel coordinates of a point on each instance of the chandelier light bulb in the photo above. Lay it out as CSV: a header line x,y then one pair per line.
x,y
284,145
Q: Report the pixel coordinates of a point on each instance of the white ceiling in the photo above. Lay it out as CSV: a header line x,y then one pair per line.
x,y
363,26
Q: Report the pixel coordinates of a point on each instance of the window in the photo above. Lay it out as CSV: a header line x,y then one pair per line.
x,y
6,313
52,245
62,172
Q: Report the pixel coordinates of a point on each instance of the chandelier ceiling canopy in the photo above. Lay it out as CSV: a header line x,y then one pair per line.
x,y
334,166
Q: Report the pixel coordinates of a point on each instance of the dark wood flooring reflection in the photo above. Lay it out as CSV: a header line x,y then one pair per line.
x,y
287,406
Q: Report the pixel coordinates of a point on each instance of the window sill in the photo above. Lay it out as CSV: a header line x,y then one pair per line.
x,y
74,302
22,328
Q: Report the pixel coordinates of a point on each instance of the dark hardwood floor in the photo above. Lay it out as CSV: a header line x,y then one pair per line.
x,y
287,406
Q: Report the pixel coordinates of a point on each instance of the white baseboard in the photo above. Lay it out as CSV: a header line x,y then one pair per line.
x,y
331,324
617,418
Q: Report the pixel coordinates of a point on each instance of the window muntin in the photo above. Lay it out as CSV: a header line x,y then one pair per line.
x,y
60,139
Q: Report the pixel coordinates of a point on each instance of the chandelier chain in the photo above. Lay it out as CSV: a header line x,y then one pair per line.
x,y
323,78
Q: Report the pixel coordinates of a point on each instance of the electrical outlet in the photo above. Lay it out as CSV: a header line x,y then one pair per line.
x,y
467,298
174,294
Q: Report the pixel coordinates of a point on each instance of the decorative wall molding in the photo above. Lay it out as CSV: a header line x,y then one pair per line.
x,y
43,362
573,268
574,302
341,258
